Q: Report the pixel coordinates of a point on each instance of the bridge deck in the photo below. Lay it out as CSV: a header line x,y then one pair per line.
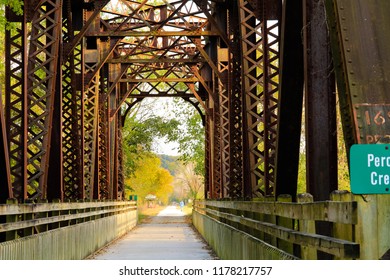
x,y
166,237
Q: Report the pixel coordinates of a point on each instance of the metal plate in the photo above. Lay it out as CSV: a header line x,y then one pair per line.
x,y
372,123
370,169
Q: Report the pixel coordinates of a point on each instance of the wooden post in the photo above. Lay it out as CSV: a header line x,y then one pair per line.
x,y
307,253
367,227
287,223
11,235
28,216
270,219
56,213
79,211
383,225
66,212
342,231
258,217
45,227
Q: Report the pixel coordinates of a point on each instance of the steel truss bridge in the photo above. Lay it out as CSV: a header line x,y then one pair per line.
x,y
245,65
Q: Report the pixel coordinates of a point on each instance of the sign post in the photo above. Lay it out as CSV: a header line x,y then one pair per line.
x,y
370,169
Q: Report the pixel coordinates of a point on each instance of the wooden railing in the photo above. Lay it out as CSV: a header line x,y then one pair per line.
x,y
21,220
291,227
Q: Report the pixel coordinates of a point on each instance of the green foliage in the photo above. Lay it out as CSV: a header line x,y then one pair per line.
x,y
169,163
15,5
138,136
191,140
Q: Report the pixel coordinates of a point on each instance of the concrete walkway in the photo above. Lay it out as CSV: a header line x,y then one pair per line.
x,y
166,237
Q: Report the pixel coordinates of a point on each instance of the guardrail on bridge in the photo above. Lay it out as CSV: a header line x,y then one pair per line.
x,y
71,230
286,230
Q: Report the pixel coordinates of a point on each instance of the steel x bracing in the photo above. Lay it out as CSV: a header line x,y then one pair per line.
x,y
106,52
72,65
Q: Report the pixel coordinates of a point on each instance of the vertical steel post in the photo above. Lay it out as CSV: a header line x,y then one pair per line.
x,y
320,101
72,104
104,183
236,176
290,99
16,101
223,96
217,154
5,178
42,78
260,68
208,146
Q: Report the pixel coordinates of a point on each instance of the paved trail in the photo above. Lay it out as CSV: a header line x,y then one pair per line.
x,y
166,237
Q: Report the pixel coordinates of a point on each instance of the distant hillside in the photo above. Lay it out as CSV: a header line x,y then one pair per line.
x,y
169,162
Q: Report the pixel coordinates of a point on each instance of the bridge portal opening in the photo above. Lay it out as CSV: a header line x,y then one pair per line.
x,y
163,150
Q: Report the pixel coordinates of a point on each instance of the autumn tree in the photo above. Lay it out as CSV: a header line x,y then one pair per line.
x,y
188,184
141,127
150,178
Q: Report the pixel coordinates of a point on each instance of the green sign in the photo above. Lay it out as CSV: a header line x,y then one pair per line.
x,y
370,168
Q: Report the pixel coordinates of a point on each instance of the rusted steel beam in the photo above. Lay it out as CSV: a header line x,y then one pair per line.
x,y
103,182
91,106
121,178
112,144
290,99
208,190
104,51
159,60
158,33
269,7
321,141
225,126
41,88
55,179
213,89
320,111
209,60
16,102
191,87
71,45
237,185
181,95
260,49
115,75
361,50
122,99
72,109
215,23
204,83
160,80
5,178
